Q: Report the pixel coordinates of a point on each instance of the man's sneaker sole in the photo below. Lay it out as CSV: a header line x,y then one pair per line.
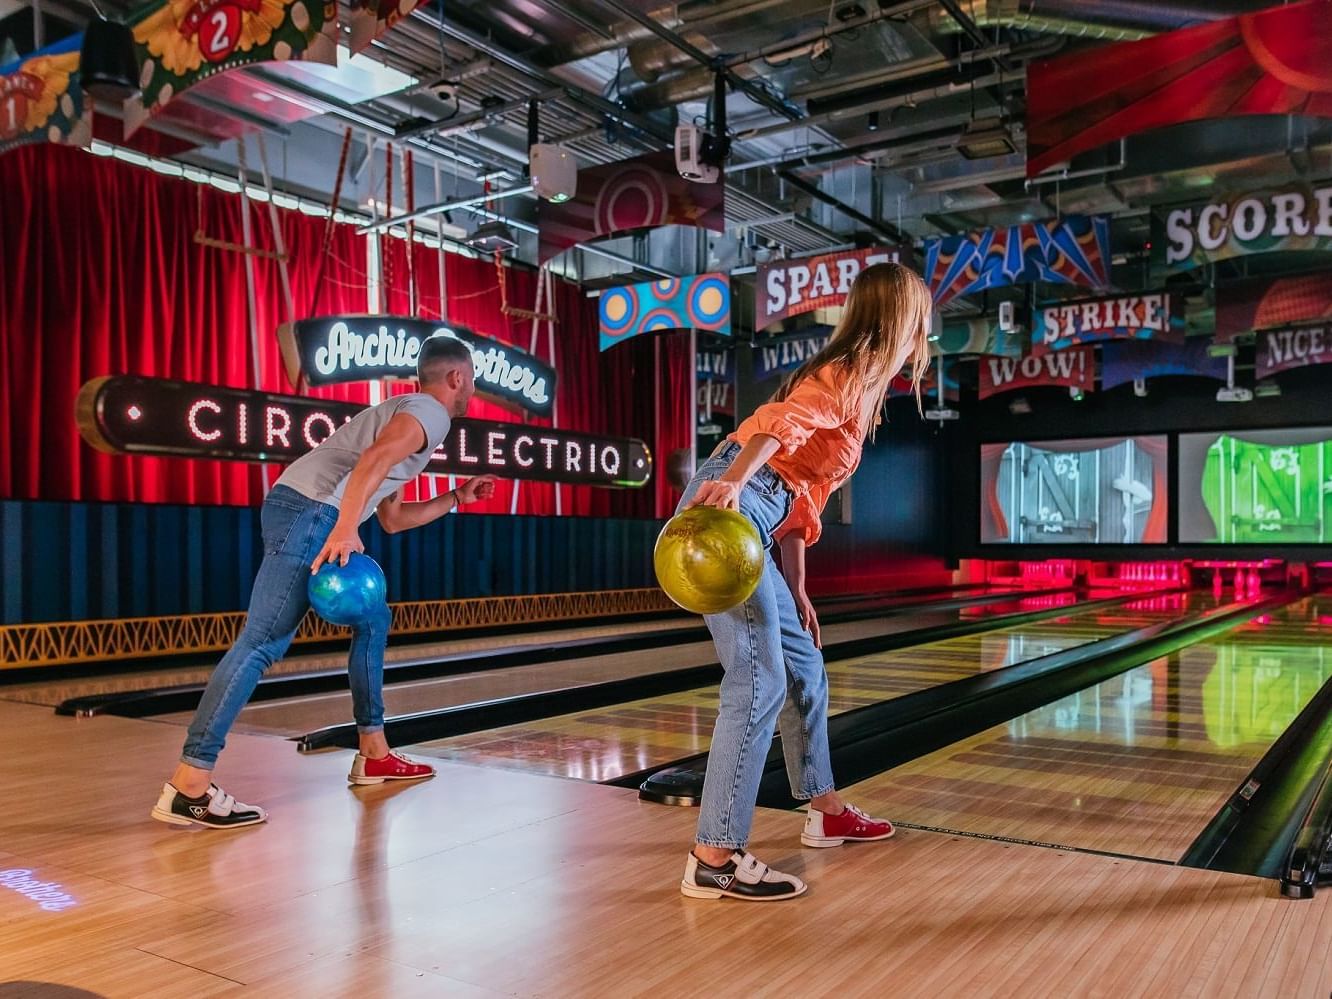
x,y
697,891
824,842
172,819
363,781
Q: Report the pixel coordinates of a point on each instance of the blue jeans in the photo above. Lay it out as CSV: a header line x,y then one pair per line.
x,y
773,674
294,530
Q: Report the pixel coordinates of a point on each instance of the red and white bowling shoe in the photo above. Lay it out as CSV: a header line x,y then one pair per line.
x,y
394,766
851,826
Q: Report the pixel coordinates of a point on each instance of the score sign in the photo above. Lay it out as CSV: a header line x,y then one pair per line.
x,y
130,414
336,349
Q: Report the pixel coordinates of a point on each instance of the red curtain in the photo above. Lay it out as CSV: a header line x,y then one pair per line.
x,y
103,275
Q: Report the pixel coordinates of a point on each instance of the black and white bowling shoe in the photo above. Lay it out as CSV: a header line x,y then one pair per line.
x,y
743,876
214,809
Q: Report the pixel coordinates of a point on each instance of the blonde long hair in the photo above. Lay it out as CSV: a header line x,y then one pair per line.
x,y
884,329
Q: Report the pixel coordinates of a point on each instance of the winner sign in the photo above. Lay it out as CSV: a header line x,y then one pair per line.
x,y
129,414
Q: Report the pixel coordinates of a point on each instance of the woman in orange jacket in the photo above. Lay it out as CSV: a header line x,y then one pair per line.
x,y
778,469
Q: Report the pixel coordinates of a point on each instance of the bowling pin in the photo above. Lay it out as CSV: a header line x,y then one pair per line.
x,y
1218,584
1239,580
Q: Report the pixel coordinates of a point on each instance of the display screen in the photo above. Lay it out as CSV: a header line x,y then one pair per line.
x,y
1256,487
1107,491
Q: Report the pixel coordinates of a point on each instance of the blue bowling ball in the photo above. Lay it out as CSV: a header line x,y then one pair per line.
x,y
348,594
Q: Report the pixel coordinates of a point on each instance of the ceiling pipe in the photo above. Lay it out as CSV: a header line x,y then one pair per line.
x,y
653,59
900,100
444,127
903,141
653,133
442,206
819,194
751,89
695,84
1110,20
691,16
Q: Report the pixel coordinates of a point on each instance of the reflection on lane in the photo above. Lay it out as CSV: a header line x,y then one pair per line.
x,y
1136,765
607,743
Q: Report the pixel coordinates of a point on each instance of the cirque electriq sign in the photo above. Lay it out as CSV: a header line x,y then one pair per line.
x,y
130,414
336,349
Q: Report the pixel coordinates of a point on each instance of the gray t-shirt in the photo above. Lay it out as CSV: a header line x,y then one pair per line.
x,y
322,473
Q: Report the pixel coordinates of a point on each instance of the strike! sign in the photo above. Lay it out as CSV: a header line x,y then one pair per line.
x,y
1074,367
1153,316
791,287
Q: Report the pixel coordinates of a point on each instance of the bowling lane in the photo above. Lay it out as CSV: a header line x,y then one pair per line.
x,y
1136,765
606,743
297,715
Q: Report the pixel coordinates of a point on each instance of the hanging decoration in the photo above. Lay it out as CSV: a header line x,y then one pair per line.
x,y
1074,249
180,42
1151,316
1129,361
1297,217
785,288
642,193
1074,367
1270,302
41,100
1275,61
702,302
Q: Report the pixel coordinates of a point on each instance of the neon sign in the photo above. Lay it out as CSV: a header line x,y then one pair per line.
x,y
131,414
47,894
336,349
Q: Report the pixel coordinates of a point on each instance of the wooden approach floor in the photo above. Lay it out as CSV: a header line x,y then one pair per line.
x,y
486,883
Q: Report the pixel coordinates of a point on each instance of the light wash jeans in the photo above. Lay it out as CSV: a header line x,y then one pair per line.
x,y
294,530
773,671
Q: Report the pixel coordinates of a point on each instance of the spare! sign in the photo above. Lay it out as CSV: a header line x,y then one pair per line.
x,y
791,287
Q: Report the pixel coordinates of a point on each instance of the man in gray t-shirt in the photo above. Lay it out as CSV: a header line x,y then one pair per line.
x,y
312,516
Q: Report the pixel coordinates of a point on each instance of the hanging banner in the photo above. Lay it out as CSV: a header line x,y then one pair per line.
x,y
785,288
714,369
1275,61
1074,367
1153,316
715,364
702,302
1071,250
1128,361
180,42
1269,302
41,100
1290,218
641,193
783,354
129,414
1281,350
977,336
335,349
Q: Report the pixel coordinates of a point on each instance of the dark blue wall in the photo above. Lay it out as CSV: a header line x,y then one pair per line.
x,y
75,561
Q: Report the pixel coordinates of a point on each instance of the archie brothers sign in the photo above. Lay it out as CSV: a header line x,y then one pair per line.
x,y
336,349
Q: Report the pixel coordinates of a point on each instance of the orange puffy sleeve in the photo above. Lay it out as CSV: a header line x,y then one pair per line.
x,y
806,514
817,403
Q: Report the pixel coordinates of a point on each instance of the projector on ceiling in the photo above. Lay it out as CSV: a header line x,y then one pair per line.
x,y
942,415
493,237
694,155
1235,394
554,172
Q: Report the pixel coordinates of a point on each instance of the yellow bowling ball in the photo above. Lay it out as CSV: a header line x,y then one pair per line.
x,y
708,560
